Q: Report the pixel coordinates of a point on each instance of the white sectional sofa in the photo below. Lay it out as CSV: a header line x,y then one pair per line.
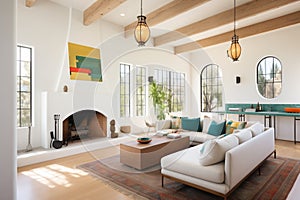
x,y
234,158
196,137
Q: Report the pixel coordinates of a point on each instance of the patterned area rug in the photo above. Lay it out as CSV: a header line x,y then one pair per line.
x,y
275,182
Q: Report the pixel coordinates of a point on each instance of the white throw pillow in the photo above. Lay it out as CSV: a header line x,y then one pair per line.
x,y
206,124
213,151
250,123
243,135
256,129
163,124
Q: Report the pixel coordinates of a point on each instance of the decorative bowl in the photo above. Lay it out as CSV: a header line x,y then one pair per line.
x,y
292,110
144,140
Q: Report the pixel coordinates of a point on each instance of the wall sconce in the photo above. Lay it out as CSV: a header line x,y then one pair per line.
x,y
237,79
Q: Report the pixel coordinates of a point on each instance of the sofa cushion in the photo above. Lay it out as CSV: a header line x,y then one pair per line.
x,y
256,129
198,137
213,151
163,124
216,129
191,124
250,123
186,162
233,125
243,135
206,124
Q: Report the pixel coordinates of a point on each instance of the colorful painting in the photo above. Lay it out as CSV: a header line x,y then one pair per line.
x,y
85,63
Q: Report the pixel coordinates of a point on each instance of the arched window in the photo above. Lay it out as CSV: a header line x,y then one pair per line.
x,y
211,84
269,77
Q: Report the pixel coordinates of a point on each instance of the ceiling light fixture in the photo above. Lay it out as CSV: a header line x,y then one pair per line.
x,y
142,31
235,49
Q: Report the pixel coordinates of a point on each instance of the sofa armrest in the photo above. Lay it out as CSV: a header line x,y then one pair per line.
x,y
243,159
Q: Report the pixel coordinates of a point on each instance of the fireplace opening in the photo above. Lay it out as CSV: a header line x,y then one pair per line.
x,y
85,124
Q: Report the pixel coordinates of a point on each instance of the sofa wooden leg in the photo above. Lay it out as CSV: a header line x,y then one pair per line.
x,y
275,153
162,181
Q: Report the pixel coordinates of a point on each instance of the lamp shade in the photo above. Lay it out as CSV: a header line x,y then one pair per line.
x,y
235,49
142,31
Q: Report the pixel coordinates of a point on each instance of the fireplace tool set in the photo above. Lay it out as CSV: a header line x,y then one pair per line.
x,y
55,142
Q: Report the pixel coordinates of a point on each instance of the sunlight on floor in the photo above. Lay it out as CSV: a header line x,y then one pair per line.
x,y
54,175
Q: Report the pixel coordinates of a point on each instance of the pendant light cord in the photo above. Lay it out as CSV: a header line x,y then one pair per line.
x,y
141,7
234,16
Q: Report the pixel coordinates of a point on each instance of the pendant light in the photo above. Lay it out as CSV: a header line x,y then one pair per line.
x,y
141,31
235,49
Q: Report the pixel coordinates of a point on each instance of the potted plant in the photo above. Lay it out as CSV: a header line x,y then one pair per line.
x,y
161,98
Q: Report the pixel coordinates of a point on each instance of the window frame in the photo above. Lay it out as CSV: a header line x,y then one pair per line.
x,y
140,107
20,108
219,87
168,79
126,107
265,79
177,83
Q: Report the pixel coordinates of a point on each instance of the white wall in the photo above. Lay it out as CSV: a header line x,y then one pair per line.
x,y
48,27
43,27
8,169
283,44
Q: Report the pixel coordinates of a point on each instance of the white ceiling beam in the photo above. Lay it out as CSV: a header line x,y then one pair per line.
x,y
99,9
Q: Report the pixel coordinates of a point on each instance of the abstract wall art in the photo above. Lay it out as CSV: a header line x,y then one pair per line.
x,y
85,63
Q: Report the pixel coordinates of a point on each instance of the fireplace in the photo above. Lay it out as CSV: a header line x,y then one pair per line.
x,y
85,124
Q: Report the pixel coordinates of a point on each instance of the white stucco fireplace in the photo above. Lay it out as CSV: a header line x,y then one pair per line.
x,y
90,119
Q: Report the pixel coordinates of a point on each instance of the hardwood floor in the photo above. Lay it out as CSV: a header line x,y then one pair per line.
x,y
288,149
60,179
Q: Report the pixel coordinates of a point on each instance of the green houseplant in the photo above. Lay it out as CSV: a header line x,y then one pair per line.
x,y
161,98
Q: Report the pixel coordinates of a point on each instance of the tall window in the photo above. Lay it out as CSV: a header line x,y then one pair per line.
x,y
140,88
269,77
24,86
174,82
211,88
124,90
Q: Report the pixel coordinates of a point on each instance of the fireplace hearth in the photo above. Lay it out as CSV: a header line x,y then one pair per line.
x,y
85,124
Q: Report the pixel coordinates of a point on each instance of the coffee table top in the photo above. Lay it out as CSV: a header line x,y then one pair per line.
x,y
156,140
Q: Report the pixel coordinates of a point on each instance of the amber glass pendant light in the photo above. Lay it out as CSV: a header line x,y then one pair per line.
x,y
141,31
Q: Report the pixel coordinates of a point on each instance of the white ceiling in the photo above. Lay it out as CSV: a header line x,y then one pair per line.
x,y
131,8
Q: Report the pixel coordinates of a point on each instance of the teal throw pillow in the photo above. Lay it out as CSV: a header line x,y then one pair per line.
x,y
191,124
216,129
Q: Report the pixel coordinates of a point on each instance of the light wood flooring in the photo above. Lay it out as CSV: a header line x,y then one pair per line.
x,y
60,179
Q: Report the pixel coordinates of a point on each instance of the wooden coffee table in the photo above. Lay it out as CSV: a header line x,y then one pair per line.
x,y
141,156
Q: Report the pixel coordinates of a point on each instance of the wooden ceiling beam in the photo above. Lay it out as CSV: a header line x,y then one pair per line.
x,y
30,3
243,11
98,9
247,31
166,12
